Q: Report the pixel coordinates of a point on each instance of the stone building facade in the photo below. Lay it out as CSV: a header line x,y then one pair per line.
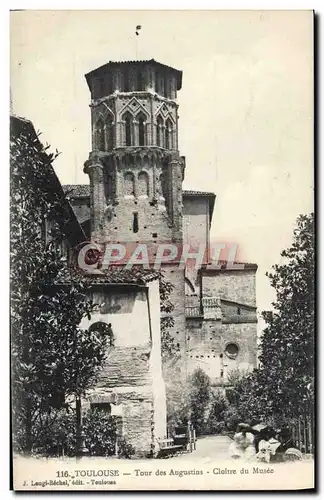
x,y
131,385
135,195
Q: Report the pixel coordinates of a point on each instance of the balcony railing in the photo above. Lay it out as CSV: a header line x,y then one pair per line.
x,y
193,312
210,308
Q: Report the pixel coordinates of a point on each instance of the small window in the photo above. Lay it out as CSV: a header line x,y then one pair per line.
x,y
141,130
103,329
168,135
101,143
159,132
126,82
140,81
232,350
135,222
110,133
154,235
128,129
238,311
110,86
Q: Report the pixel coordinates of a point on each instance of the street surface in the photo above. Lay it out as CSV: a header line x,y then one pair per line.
x,y
214,448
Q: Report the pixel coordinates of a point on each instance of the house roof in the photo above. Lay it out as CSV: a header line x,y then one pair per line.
x,y
198,193
83,191
111,64
77,190
67,219
224,266
114,275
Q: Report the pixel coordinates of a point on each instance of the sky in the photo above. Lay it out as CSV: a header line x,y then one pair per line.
x,y
245,107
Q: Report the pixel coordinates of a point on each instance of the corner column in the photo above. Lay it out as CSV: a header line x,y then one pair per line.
x,y
175,195
94,168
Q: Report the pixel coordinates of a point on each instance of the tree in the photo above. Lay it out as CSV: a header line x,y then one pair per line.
x,y
287,345
199,398
218,406
52,357
282,388
168,346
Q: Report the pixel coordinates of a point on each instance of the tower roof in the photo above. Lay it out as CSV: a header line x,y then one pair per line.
x,y
111,64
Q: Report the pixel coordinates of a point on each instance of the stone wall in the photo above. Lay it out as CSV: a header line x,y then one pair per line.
x,y
196,221
235,285
207,339
133,372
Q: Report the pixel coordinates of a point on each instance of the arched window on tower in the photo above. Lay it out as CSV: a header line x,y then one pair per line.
x,y
129,184
110,133
167,90
141,120
140,81
100,135
126,81
110,85
129,133
143,184
168,134
159,131
159,83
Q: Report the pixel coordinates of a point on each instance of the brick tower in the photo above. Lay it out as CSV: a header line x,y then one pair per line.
x,y
135,169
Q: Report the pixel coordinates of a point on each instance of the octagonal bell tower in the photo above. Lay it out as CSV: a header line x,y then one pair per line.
x,y
134,167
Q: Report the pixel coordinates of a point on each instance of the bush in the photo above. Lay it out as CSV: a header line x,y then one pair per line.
x,y
215,423
100,433
125,450
59,435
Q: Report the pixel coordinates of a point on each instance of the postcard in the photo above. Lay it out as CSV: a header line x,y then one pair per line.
x,y
162,250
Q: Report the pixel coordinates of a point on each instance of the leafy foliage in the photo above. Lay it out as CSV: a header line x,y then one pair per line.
x,y
168,346
287,346
218,405
58,437
199,399
282,388
52,357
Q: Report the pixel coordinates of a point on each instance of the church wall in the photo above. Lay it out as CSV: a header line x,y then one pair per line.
x,y
245,335
238,286
207,339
